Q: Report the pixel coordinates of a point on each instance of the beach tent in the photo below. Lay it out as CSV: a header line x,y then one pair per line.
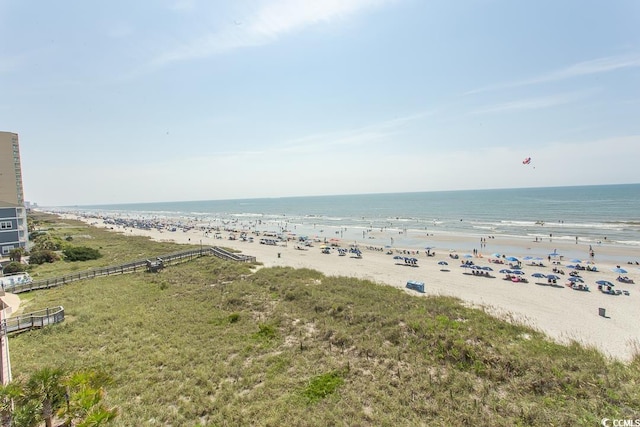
x,y
416,286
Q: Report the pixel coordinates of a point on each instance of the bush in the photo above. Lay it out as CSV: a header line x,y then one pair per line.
x,y
35,234
40,257
81,253
14,267
45,242
323,385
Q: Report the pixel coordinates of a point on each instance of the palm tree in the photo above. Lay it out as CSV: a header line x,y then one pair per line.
x,y
85,393
45,386
8,393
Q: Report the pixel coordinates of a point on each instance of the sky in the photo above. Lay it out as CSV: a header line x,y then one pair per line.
x,y
176,100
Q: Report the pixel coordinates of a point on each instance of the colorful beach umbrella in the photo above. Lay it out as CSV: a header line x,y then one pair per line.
x,y
504,271
539,275
512,259
553,277
575,279
442,263
619,270
604,283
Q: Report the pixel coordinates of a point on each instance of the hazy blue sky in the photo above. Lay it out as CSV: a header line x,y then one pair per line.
x,y
168,100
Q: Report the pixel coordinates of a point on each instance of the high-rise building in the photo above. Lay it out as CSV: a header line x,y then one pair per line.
x,y
10,170
13,215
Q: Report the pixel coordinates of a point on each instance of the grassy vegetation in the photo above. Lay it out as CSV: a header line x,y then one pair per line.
x,y
215,343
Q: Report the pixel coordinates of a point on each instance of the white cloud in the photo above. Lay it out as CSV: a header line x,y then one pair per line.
x,y
182,5
534,103
594,66
273,20
352,137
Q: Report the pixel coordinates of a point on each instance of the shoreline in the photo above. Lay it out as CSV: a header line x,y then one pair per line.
x,y
560,312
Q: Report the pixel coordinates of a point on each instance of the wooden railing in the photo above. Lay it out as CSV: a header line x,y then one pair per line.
x,y
131,267
37,319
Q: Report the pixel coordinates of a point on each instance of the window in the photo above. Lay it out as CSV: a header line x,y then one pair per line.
x,y
5,225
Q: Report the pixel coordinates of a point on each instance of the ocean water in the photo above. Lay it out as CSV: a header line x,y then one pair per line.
x,y
594,214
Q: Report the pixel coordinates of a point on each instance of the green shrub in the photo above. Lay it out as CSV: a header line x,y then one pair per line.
x,y
234,317
14,267
323,385
35,234
46,242
80,253
265,331
42,256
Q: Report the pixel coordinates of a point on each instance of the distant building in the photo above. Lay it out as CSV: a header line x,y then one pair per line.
x,y
13,215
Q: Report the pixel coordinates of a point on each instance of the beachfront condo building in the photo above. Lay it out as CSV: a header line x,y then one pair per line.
x,y
13,215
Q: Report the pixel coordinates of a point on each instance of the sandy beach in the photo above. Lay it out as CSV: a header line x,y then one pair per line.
x,y
562,313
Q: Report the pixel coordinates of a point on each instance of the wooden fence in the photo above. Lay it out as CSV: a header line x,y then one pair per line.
x,y
131,267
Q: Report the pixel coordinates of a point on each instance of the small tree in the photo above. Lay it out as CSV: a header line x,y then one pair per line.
x,y
8,393
45,386
84,406
16,254
40,257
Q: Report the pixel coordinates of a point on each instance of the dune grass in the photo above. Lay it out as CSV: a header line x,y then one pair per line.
x,y
215,343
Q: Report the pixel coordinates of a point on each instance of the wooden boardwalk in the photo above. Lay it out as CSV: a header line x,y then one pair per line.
x,y
132,267
36,320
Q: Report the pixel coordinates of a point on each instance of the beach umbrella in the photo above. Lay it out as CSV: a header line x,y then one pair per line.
x,y
398,257
465,265
467,256
571,266
518,272
604,283
429,248
512,258
485,268
496,255
538,275
553,277
527,258
442,263
575,279
576,260
504,271
619,270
